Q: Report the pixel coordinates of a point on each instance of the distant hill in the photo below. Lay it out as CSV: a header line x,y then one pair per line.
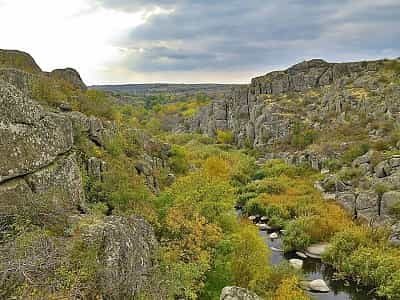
x,y
167,88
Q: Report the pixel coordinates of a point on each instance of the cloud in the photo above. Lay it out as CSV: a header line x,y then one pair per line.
x,y
136,5
257,35
197,40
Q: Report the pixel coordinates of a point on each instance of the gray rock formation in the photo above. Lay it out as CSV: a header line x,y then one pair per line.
x,y
237,293
98,131
96,168
30,138
127,246
37,162
18,59
256,121
71,76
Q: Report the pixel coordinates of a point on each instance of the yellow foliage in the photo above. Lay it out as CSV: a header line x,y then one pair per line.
x,y
217,167
289,290
251,267
224,137
193,235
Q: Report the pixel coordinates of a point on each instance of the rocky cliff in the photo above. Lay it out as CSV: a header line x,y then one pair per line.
x,y
48,230
266,110
316,113
37,160
21,70
18,60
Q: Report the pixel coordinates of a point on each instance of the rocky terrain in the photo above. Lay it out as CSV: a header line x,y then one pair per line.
x,y
42,174
321,101
99,200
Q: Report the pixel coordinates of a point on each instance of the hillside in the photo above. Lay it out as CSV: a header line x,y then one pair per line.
x,y
286,188
340,117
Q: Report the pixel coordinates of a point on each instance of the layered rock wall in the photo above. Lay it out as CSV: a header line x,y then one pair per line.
x,y
37,161
257,121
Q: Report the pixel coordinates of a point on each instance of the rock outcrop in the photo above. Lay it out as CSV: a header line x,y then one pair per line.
x,y
71,76
127,246
30,137
37,161
97,130
18,60
21,70
237,293
258,118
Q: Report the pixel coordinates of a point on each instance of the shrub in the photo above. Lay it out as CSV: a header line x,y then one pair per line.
x,y
221,274
250,257
244,198
289,290
254,208
97,103
349,174
353,152
302,137
225,137
332,164
275,168
297,237
361,254
178,160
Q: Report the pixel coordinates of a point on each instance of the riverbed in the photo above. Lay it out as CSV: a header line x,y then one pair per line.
x,y
316,269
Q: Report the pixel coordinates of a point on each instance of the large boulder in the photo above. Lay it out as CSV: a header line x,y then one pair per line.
x,y
237,293
317,250
57,187
22,80
30,138
296,263
319,285
97,130
61,181
382,169
38,170
127,246
364,159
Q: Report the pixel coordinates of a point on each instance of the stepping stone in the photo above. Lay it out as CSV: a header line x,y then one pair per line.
x,y
319,285
273,235
316,251
263,227
296,263
301,254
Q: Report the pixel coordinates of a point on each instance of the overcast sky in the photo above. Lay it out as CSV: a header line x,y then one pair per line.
x,y
136,41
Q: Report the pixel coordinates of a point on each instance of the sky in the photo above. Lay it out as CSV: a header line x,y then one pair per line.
x,y
193,41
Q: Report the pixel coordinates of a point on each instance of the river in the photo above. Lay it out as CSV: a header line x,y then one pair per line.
x,y
315,269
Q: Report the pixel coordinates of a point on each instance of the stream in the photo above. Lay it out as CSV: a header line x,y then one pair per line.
x,y
315,269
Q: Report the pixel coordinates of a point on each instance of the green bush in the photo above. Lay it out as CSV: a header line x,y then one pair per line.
x,y
297,237
332,164
350,174
353,152
302,137
178,161
362,254
244,198
254,208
